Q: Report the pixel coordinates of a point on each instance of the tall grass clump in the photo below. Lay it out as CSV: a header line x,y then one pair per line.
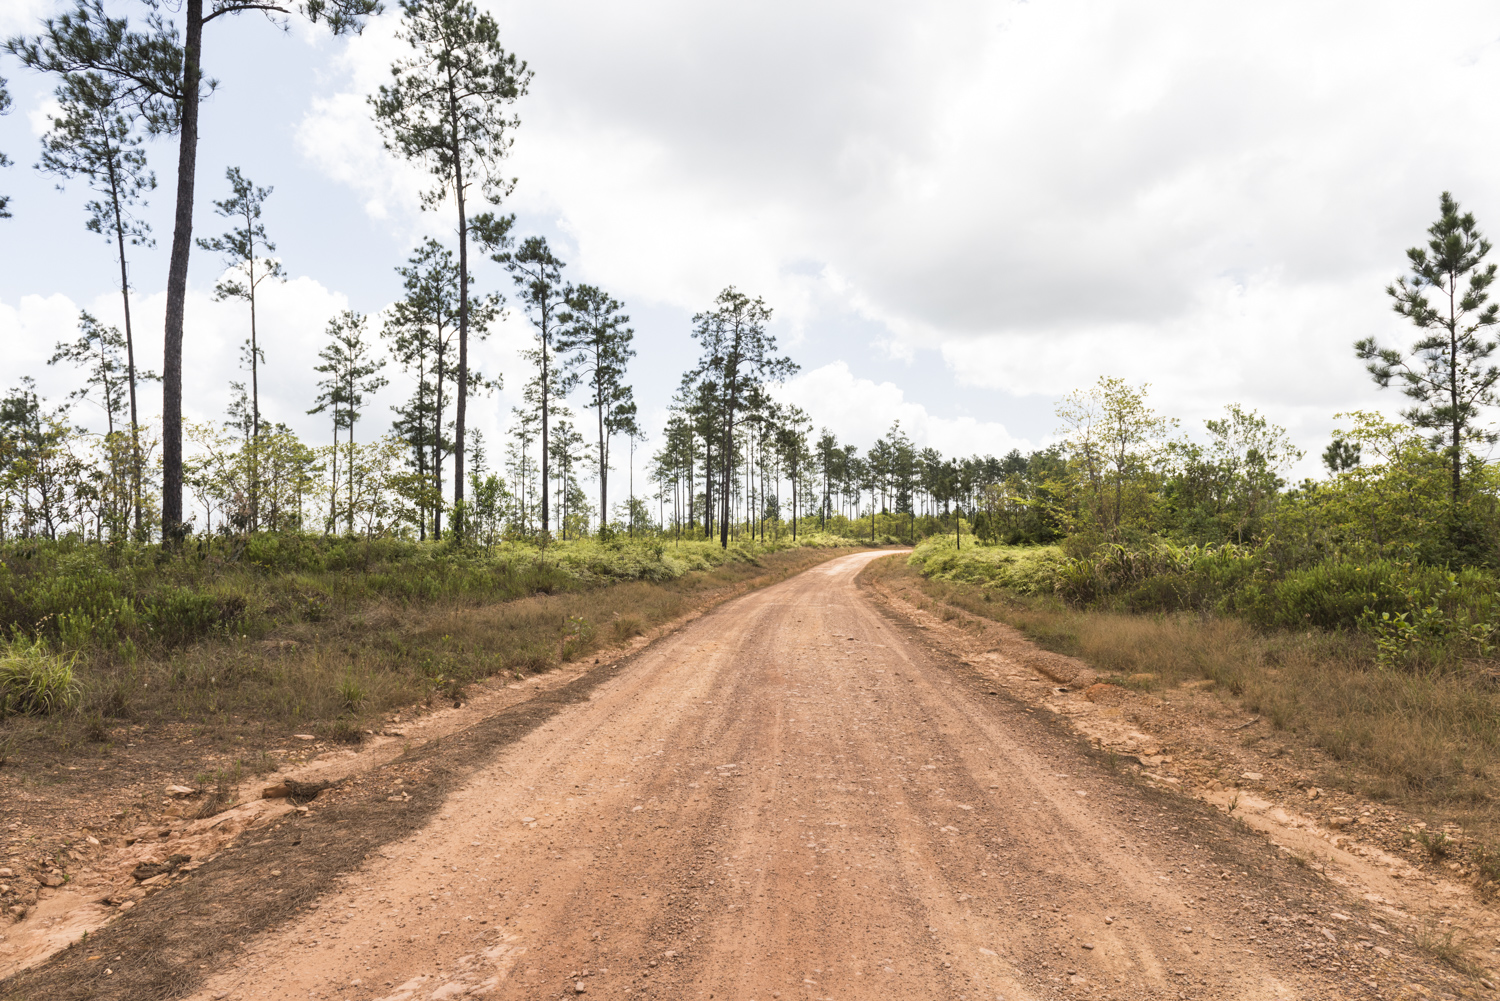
x,y
35,681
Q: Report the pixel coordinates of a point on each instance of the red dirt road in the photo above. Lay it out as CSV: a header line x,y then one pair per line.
x,y
795,797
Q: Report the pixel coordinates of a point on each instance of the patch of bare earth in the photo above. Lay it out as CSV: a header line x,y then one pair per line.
x,y
1407,902
808,792
98,831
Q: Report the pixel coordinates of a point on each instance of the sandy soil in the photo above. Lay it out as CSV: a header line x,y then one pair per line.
x,y
799,796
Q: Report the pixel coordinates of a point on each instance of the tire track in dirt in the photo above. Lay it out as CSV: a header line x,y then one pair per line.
x,y
795,797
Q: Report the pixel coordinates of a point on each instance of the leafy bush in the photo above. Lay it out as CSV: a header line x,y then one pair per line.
x,y
34,681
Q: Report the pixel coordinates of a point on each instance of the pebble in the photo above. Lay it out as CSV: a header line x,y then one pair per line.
x,y
579,987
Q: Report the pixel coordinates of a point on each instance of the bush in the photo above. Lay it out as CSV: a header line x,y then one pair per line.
x,y
35,682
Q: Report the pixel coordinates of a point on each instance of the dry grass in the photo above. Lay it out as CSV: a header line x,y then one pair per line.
x,y
337,677
1430,742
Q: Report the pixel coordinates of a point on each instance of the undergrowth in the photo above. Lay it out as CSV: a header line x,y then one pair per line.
x,y
1429,739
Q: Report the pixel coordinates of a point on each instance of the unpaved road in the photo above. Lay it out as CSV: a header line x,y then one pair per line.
x,y
794,797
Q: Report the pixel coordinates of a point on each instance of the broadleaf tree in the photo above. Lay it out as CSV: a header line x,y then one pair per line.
x,y
95,137
1447,371
160,73
445,107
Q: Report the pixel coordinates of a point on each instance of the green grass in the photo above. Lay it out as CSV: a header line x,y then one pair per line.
x,y
335,635
34,681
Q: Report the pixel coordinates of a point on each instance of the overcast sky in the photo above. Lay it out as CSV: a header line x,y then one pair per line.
x,y
959,211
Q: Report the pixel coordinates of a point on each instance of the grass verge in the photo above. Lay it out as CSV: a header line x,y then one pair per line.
x,y
1427,741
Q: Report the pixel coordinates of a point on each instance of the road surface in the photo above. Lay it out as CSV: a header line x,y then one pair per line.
x,y
795,797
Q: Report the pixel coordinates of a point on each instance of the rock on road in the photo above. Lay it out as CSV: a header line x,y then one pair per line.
x,y
794,797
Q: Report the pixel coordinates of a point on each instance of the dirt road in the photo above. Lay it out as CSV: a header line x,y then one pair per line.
x,y
793,797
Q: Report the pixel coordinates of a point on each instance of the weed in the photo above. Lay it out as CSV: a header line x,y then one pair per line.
x,y
351,694
1437,846
94,729
221,796
627,626
1444,945
345,731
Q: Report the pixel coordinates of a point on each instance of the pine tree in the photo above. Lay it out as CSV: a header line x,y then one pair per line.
x,y
421,329
445,108
95,137
349,375
600,343
161,74
242,247
1447,373
537,274
738,361
4,160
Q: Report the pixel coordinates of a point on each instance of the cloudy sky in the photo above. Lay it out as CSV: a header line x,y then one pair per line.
x,y
959,210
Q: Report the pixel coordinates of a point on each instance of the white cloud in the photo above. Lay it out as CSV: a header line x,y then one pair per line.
x,y
1206,197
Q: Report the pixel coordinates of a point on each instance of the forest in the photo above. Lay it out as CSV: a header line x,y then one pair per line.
x,y
1124,506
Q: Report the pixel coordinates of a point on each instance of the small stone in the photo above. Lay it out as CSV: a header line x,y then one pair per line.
x,y
6,874
1251,776
670,953
1088,945
181,792
51,879
1330,936
1382,952
304,736
579,987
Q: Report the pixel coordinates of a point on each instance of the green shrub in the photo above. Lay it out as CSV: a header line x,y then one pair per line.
x,y
35,681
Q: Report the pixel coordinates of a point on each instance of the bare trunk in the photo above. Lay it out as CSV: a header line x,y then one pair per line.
x,y
437,443
172,526
463,338
546,406
135,432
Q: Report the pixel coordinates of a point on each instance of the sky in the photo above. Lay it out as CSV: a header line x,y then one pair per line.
x,y
959,211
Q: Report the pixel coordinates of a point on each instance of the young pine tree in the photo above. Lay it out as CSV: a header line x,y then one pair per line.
x,y
94,136
537,274
600,343
246,249
350,374
1447,373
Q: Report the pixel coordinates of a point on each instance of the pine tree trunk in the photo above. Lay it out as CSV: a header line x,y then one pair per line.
x,y
463,328
172,526
135,427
